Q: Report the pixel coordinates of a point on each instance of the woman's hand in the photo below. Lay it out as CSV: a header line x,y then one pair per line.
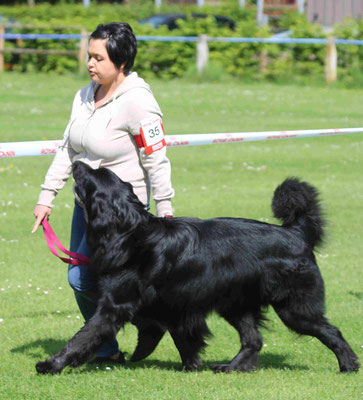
x,y
40,213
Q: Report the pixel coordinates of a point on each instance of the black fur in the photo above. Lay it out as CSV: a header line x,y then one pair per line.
x,y
168,274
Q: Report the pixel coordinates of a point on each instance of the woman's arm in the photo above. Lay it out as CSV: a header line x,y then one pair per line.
x,y
57,175
158,168
156,163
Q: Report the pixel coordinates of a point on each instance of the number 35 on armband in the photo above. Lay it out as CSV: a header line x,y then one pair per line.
x,y
152,135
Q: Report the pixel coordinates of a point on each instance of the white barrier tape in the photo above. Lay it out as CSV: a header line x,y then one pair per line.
x,y
215,138
49,147
23,149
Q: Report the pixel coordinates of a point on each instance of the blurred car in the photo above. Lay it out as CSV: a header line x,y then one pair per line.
x,y
170,20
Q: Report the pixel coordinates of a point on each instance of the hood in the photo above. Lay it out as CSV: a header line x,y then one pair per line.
x,y
132,81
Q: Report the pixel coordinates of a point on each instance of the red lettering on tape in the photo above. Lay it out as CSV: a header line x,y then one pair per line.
x,y
10,153
236,139
48,151
336,132
228,140
178,143
281,136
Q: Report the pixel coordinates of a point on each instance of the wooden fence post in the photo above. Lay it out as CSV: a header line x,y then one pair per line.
x,y
263,61
2,46
331,61
202,53
83,43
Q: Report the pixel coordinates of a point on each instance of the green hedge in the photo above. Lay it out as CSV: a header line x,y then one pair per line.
x,y
175,59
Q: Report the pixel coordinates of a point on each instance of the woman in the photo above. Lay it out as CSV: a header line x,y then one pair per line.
x,y
115,123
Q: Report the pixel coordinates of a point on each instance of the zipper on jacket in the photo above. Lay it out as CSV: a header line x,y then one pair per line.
x,y
84,130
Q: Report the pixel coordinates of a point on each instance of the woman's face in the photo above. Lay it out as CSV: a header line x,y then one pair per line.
x,y
100,68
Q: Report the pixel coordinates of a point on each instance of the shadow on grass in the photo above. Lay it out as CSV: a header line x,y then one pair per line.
x,y
358,295
147,364
36,350
277,361
266,361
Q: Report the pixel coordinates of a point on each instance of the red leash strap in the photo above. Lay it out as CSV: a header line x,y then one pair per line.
x,y
53,241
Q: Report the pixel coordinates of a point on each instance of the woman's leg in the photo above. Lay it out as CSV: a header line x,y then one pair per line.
x,y
81,279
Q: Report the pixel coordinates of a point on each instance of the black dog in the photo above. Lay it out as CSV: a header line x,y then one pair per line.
x,y
168,274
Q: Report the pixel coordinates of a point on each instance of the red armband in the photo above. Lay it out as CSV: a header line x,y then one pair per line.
x,y
138,141
152,136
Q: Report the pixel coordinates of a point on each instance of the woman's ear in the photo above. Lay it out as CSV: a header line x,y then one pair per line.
x,y
122,68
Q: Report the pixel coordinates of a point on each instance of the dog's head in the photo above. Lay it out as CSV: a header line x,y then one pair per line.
x,y
107,199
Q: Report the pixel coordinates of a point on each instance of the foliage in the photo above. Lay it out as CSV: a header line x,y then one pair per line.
x,y
350,61
308,59
248,61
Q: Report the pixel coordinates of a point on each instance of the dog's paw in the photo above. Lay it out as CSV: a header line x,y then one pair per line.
x,y
246,367
192,365
349,362
353,366
48,367
221,368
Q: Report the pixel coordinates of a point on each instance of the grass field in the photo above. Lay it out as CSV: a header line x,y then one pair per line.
x,y
38,313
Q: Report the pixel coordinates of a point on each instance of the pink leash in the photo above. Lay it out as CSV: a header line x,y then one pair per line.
x,y
53,241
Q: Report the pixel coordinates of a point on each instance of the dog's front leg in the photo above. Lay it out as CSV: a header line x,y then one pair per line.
x,y
102,327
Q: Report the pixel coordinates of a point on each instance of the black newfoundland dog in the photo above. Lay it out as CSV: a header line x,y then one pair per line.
x,y
168,274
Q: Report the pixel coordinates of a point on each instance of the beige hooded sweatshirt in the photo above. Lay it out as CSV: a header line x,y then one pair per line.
x,y
105,138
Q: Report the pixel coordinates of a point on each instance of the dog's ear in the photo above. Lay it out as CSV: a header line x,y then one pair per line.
x,y
101,214
127,207
117,209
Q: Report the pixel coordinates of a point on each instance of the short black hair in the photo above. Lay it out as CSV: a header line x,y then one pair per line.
x,y
121,43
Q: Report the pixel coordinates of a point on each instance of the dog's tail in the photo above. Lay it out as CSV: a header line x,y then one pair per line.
x,y
296,203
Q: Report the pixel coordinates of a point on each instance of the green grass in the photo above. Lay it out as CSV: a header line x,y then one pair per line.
x,y
37,307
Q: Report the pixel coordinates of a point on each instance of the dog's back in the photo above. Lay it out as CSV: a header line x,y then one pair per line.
x,y
221,253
